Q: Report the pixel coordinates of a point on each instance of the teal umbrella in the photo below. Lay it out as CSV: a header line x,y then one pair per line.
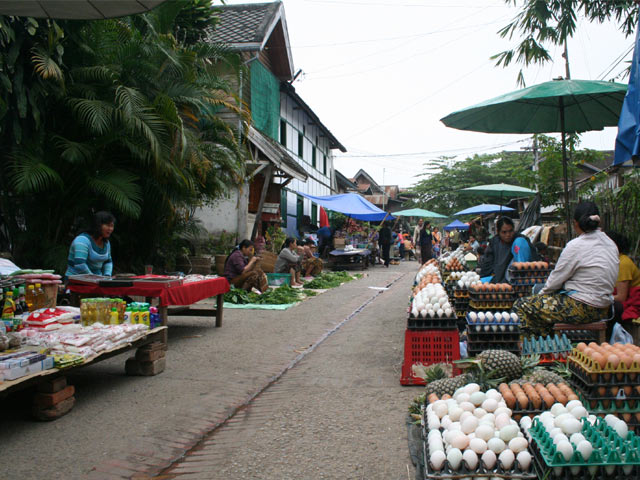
x,y
565,106
418,212
500,190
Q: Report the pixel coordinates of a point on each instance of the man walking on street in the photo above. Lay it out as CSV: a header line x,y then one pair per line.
x,y
384,239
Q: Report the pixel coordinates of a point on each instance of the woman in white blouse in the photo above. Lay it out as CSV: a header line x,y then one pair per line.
x,y
579,289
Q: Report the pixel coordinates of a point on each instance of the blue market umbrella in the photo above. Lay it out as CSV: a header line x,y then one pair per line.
x,y
484,208
628,138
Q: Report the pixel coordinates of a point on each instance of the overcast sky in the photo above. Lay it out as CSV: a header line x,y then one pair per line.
x,y
381,73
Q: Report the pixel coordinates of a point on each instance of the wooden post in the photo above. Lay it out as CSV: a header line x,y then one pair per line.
x,y
219,310
268,173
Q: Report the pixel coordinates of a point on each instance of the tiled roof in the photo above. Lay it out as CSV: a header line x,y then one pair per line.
x,y
247,23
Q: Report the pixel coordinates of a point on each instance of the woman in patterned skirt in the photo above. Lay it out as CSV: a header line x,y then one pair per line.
x,y
579,290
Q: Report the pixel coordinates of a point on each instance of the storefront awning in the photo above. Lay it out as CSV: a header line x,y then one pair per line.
x,y
76,9
277,154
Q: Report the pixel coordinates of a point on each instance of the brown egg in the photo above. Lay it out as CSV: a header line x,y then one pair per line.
x,y
614,360
600,359
581,346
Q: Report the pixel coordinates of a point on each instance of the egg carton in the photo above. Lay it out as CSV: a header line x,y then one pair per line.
x,y
475,348
443,323
596,392
547,345
492,296
577,336
491,304
609,450
588,473
614,405
529,282
607,376
516,472
528,272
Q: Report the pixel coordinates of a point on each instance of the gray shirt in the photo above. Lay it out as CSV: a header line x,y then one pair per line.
x,y
285,258
587,269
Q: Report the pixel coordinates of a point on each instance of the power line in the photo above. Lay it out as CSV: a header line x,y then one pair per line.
x,y
410,5
434,152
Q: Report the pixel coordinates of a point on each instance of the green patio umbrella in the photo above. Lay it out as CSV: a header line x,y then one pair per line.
x,y
418,212
500,190
76,9
564,106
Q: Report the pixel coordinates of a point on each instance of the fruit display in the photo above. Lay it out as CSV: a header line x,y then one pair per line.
x,y
578,445
556,348
472,434
531,398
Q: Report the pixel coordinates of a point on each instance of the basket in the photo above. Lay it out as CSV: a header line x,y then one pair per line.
x,y
428,347
278,279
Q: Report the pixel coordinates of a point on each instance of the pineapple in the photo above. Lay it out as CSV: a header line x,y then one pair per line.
x,y
447,386
500,362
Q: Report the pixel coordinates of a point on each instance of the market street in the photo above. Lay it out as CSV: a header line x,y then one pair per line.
x,y
338,413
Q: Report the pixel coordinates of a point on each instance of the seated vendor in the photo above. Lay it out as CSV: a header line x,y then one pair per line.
x,y
627,294
311,264
90,253
503,249
290,261
579,288
242,268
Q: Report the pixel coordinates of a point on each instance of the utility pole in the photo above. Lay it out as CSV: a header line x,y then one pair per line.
x,y
565,55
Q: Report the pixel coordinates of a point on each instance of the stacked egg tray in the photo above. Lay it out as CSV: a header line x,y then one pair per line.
x,y
429,323
481,471
612,456
498,335
475,348
528,277
577,336
485,301
551,349
522,290
529,410
591,373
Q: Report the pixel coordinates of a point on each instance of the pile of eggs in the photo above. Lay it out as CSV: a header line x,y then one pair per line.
x,y
476,429
465,279
498,321
613,355
427,269
529,265
432,301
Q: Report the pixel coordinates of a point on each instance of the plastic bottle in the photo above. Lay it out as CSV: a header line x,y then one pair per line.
x,y
154,318
41,299
30,297
127,315
22,299
9,306
144,315
16,296
135,316
114,316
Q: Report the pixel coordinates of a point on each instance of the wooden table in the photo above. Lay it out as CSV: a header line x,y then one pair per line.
x,y
183,295
346,259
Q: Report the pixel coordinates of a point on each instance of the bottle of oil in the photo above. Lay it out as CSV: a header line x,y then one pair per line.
x,y
41,298
30,298
9,306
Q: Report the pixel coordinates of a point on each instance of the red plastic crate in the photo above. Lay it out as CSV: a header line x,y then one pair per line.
x,y
428,347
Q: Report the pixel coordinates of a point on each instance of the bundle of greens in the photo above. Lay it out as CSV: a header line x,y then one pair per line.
x,y
277,296
328,280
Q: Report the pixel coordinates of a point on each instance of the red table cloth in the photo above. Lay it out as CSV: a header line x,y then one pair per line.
x,y
186,294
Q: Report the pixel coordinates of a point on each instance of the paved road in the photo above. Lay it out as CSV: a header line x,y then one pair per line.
x,y
336,413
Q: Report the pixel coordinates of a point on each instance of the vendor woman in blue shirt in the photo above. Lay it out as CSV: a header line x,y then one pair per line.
x,y
90,253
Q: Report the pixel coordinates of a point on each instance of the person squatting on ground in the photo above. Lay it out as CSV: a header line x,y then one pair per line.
x,y
242,269
311,264
503,249
290,261
579,289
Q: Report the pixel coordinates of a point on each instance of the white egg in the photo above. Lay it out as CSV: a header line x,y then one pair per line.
x,y
460,284
558,409
440,408
434,433
431,313
440,313
514,317
435,445
448,312
506,459
473,316
497,317
524,460
509,432
579,412
621,429
470,459
479,413
489,459
585,448
462,397
454,457
561,437
477,398
487,328
464,415
611,420
454,413
505,316
565,449
445,422
423,313
478,445
415,311
481,316
471,388
573,404
490,405
496,445
437,459
525,423
489,316
571,425
494,394
502,408
576,438
469,425
433,422
488,419
466,406
591,419
455,426
502,420
484,432
460,441
545,415
518,444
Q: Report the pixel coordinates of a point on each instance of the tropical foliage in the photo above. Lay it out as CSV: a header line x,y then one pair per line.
x,y
543,24
117,115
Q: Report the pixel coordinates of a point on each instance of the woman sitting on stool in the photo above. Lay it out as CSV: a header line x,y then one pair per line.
x,y
579,288
290,261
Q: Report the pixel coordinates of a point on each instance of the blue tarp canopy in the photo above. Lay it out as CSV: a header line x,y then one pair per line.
x,y
484,208
457,225
628,139
350,204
